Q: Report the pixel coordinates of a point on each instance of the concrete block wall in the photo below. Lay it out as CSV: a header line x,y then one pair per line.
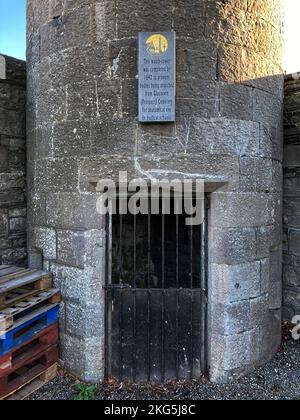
x,y
82,126
291,192
12,161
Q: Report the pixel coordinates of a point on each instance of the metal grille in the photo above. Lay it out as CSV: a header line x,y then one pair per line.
x,y
156,298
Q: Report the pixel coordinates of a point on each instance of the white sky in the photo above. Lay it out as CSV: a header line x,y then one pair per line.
x,y
292,36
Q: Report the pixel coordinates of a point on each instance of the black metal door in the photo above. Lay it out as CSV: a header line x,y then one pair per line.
x,y
156,299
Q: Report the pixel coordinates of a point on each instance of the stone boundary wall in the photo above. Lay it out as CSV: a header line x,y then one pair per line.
x,y
291,192
12,161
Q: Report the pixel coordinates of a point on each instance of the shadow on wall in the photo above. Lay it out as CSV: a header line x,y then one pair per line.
x,y
12,161
291,164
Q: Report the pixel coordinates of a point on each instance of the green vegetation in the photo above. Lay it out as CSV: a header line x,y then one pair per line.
x,y
85,392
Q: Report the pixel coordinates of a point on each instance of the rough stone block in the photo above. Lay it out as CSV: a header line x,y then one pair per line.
x,y
45,240
17,224
228,54
136,17
71,138
197,58
73,29
291,277
70,248
233,352
3,224
256,174
291,156
267,237
12,122
259,311
271,144
105,20
271,336
291,211
202,90
203,108
72,354
266,109
233,246
56,175
115,137
232,283
294,241
123,59
236,102
51,105
243,209
73,211
230,319
3,159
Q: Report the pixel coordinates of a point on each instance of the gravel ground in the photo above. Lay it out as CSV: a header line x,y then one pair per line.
x,y
279,380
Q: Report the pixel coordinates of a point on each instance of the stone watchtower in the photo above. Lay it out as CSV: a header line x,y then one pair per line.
x,y
82,126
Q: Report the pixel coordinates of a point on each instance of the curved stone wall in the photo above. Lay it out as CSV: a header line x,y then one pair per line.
x,y
82,126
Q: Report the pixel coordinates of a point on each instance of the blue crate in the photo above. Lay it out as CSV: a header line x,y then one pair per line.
x,y
26,331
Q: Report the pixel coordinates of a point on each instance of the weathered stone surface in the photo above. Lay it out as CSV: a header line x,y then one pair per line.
x,y
243,209
56,175
233,283
233,246
45,240
291,193
238,351
70,245
73,211
82,127
12,162
256,174
233,318
236,102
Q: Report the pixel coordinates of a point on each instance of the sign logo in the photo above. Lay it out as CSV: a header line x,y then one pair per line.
x,y
157,44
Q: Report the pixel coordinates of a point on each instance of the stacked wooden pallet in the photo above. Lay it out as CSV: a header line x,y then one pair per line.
x,y
29,311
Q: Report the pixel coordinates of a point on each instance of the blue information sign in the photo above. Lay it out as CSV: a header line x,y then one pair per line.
x,y
157,58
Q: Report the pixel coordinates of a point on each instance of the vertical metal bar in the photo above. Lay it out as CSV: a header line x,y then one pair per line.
x,y
177,251
177,333
121,251
149,334
121,337
134,335
108,297
134,250
134,294
149,250
192,335
163,337
191,256
204,259
163,251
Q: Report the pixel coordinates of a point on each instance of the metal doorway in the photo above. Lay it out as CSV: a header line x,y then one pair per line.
x,y
156,298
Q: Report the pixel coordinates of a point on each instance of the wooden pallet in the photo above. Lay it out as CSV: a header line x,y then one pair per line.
x,y
36,345
16,378
28,327
21,284
9,316
35,385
